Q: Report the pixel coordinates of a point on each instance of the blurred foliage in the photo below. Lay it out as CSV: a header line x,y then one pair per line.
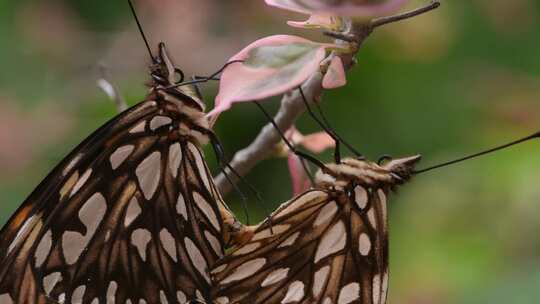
x,y
461,79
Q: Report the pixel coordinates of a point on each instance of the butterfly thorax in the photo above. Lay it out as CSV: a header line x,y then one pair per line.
x,y
366,173
183,102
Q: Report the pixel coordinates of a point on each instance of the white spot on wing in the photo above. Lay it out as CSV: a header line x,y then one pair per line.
x,y
219,269
149,172
326,213
214,242
163,297
138,128
276,230
319,280
91,214
222,300
364,244
349,293
80,183
181,297
5,298
50,281
78,295
72,164
207,210
376,288
245,270
159,121
111,292
197,258
332,241
199,295
290,240
43,248
181,206
360,197
247,248
298,203
275,276
384,291
295,293
175,158
382,198
132,212
23,231
201,168
371,217
168,242
140,239
120,155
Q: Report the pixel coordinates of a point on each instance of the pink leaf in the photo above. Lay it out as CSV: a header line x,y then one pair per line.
x,y
358,8
335,75
300,181
271,66
316,21
318,142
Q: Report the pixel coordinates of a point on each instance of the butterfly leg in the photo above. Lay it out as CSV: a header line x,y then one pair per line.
x,y
325,125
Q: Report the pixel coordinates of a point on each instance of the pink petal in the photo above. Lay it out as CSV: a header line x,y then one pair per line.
x,y
318,142
342,8
300,181
335,75
315,21
272,66
290,5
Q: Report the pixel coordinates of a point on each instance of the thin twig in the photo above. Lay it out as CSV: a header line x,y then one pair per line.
x,y
419,11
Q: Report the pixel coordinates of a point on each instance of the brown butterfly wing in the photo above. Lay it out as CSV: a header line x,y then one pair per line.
x,y
322,247
130,215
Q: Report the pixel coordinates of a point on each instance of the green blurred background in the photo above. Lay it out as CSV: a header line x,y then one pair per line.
x,y
455,81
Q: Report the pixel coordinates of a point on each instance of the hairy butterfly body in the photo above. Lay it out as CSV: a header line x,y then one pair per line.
x,y
329,245
130,216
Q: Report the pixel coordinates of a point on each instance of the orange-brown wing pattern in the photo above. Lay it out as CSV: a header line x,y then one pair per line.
x,y
322,247
130,216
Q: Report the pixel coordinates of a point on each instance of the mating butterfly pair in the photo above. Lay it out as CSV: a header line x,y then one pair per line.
x,y
132,216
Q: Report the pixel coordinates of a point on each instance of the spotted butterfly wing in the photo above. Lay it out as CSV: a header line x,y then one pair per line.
x,y
328,245
130,216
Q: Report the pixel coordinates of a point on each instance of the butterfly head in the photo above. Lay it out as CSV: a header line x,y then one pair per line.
x,y
358,171
401,168
163,70
168,79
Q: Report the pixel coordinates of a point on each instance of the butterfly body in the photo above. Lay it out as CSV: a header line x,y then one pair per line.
x,y
328,245
131,215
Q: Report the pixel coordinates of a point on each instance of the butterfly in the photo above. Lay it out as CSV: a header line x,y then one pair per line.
x,y
131,215
327,245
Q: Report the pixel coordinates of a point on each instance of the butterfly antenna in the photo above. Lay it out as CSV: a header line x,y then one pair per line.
x,y
303,155
524,139
323,122
141,30
224,164
201,79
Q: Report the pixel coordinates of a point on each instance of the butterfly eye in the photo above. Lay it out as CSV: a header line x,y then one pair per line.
x,y
384,159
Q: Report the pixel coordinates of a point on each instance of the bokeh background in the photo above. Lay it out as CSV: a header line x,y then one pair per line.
x,y
455,81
